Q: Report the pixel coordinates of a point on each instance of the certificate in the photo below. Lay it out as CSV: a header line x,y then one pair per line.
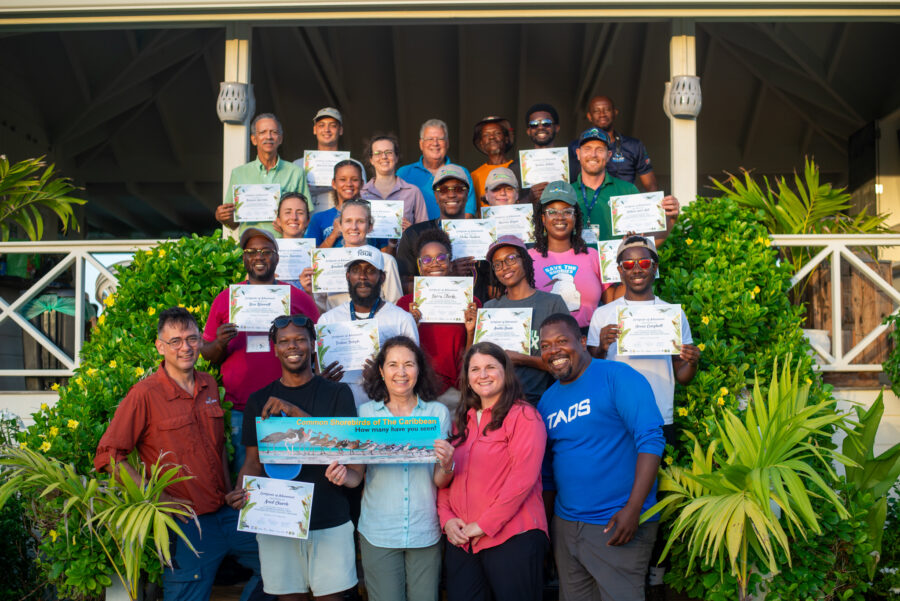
x,y
590,235
294,255
512,220
442,299
510,329
543,165
649,330
276,507
318,165
256,202
388,218
470,237
329,271
253,307
321,440
349,343
637,213
607,249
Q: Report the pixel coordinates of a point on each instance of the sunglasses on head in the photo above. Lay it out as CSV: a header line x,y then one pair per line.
x,y
301,321
629,264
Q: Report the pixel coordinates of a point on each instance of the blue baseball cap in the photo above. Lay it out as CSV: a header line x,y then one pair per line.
x,y
594,133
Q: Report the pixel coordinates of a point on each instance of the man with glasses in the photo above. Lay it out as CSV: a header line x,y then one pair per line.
x,y
268,168
174,416
451,189
246,359
434,142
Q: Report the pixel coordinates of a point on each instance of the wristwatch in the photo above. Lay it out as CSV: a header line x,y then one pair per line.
x,y
450,471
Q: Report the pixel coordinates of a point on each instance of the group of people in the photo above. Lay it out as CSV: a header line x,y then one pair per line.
x,y
563,441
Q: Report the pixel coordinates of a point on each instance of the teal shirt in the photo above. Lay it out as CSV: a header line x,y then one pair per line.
x,y
599,213
290,177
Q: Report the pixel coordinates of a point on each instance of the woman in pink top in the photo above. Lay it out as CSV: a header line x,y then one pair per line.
x,y
492,512
563,263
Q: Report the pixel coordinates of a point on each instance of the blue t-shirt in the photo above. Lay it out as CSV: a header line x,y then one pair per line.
x,y
320,226
419,176
596,426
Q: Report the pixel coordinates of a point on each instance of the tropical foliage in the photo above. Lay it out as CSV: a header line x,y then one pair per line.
x,y
27,187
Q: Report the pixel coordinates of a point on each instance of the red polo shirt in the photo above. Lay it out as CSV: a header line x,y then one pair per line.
x,y
158,416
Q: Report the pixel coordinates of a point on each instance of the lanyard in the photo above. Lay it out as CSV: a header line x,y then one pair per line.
x,y
353,316
590,207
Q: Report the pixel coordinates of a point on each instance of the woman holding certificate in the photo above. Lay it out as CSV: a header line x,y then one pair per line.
x,y
492,511
444,343
563,263
398,524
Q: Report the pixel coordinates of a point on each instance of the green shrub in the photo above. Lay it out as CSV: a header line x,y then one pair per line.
x,y
886,584
188,272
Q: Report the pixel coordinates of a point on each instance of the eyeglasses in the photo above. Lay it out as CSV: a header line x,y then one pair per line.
x,y
432,140
383,153
176,343
301,321
509,261
259,252
540,123
451,189
562,212
361,268
629,264
441,258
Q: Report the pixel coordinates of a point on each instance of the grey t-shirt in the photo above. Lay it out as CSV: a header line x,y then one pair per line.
x,y
543,304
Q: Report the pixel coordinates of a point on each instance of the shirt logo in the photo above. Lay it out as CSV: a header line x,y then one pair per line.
x,y
576,410
210,400
553,270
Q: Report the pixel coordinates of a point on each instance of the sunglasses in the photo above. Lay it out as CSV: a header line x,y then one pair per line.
x,y
629,264
451,189
540,123
261,252
301,321
441,258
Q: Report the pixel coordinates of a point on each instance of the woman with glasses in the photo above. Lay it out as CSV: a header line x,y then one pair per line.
x,y
512,272
398,525
383,155
563,263
443,343
492,511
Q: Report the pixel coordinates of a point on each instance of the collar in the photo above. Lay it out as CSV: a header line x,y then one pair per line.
x,y
607,181
172,389
422,162
472,413
370,187
262,167
382,406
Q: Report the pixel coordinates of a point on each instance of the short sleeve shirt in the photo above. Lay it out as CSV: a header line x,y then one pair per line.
x,y
595,203
628,160
419,176
290,177
573,276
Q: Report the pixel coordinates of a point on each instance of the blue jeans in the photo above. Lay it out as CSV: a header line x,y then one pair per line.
x,y
191,576
237,426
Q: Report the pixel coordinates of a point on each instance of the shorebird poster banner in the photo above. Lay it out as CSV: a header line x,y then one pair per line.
x,y
276,507
322,440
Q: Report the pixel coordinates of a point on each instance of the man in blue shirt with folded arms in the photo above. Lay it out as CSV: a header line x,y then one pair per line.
x,y
604,443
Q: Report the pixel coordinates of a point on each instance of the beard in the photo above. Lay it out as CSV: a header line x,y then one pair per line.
x,y
368,300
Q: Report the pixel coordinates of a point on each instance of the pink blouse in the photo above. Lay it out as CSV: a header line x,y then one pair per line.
x,y
497,480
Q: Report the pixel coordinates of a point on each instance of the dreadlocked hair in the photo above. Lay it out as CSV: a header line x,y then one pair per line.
x,y
540,234
527,266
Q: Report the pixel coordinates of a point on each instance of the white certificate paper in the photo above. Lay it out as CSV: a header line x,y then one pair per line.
x,y
649,330
512,220
388,218
590,235
276,507
510,329
253,307
294,255
442,299
256,202
349,343
329,271
318,165
637,213
607,249
470,237
544,165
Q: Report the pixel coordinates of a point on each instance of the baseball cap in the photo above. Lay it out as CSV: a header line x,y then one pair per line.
x,y
542,107
501,176
507,240
329,111
594,133
450,171
637,242
559,190
250,232
502,122
369,254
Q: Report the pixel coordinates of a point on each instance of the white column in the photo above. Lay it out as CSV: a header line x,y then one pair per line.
x,y
236,138
683,132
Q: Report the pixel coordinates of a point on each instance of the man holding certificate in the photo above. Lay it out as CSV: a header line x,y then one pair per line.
x,y
245,357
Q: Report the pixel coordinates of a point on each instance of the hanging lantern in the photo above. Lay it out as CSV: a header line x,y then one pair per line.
x,y
683,98
235,103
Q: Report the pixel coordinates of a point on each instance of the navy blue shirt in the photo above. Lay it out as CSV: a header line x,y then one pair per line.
x,y
629,159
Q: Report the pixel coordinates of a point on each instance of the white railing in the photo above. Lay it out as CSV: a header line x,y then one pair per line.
x,y
836,248
75,254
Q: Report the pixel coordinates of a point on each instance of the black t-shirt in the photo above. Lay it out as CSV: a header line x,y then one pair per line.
x,y
320,398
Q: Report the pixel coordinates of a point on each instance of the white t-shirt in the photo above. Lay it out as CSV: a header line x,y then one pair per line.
x,y
391,289
392,321
657,368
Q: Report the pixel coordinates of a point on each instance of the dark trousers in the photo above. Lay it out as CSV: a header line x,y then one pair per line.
x,y
511,571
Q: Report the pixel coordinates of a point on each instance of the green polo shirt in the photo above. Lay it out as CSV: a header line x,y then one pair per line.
x,y
599,213
290,177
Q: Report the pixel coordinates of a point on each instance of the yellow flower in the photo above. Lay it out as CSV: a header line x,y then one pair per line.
x,y
54,431
702,347
113,364
55,386
809,380
682,412
44,406
756,290
721,401
53,535
669,460
23,445
688,241
723,391
705,319
45,446
148,252
72,424
762,240
91,371
752,295
79,381
101,320
151,311
161,253
110,300
139,371
181,305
